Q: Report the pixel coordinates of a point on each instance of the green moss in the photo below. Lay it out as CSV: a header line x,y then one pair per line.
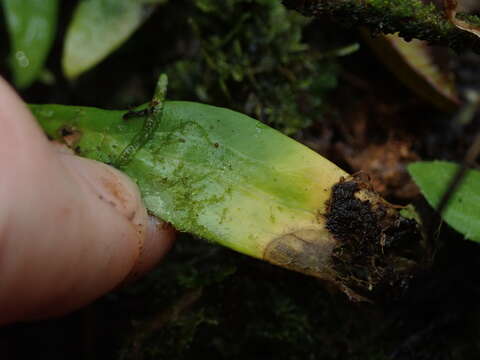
x,y
411,18
201,309
250,57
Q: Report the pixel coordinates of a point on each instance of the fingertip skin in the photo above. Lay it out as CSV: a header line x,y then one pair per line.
x,y
71,229
158,241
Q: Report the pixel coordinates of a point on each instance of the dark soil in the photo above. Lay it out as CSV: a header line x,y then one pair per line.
x,y
379,250
207,302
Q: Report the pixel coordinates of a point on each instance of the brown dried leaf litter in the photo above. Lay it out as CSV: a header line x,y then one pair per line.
x,y
451,9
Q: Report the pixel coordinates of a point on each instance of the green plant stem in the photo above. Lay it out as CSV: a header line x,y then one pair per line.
x,y
410,18
152,115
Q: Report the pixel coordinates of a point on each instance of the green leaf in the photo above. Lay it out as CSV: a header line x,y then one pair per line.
x,y
230,179
98,28
209,171
463,210
31,26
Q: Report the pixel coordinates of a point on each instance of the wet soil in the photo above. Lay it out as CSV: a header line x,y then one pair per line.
x,y
379,251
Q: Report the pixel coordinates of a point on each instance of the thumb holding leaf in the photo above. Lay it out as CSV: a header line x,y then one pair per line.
x,y
71,229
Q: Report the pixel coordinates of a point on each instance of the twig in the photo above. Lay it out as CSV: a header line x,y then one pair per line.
x,y
410,18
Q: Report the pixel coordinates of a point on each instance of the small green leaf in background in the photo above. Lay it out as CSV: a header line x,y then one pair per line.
x,y
463,209
98,28
31,26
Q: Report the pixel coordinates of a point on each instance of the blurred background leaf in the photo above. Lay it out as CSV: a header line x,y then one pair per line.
x,y
98,28
422,68
463,209
31,26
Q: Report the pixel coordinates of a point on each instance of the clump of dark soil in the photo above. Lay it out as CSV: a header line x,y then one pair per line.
x,y
379,250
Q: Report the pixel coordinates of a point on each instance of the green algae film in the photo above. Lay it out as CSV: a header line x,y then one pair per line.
x,y
210,171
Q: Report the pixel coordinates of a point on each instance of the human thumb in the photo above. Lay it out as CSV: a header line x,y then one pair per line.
x,y
71,229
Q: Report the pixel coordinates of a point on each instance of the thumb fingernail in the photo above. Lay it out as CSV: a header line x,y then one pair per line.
x,y
158,241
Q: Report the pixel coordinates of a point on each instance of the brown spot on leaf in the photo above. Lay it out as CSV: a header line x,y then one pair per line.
x,y
366,249
70,136
308,252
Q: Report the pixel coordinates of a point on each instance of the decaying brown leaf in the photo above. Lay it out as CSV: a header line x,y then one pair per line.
x,y
420,67
451,8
